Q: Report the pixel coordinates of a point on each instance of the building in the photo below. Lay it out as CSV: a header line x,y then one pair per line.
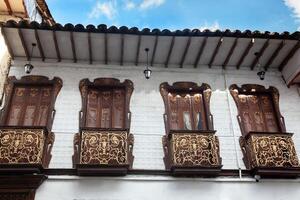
x,y
175,135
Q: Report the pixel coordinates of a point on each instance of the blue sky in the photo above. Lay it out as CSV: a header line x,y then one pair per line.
x,y
263,15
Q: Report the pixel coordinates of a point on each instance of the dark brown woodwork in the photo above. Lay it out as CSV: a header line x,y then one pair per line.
x,y
289,56
274,55
170,51
245,53
188,121
260,54
104,123
8,7
138,50
215,52
200,52
230,53
24,44
268,150
154,50
73,46
105,49
90,49
188,43
25,123
40,47
20,187
122,49
56,46
7,43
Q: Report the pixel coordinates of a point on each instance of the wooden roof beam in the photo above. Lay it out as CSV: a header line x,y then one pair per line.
x,y
73,46
24,44
105,49
122,49
8,7
90,49
138,50
260,54
215,52
245,53
230,53
154,50
188,43
56,46
7,43
200,52
289,56
38,41
170,51
274,55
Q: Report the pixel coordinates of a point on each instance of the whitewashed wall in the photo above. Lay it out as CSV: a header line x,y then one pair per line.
x,y
152,188
147,107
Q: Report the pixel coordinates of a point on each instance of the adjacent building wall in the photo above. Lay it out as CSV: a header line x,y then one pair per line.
x,y
4,64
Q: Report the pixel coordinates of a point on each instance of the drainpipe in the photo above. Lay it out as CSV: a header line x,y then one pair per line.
x,y
234,134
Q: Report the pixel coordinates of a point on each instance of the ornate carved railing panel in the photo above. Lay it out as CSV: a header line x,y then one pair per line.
x,y
268,150
106,148
26,119
14,196
104,144
190,145
25,148
191,149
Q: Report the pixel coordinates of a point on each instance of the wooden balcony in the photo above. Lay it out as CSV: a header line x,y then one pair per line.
x,y
192,152
25,150
270,154
103,152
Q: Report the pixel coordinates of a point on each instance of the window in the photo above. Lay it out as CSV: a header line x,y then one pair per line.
x,y
190,144
187,106
104,128
30,101
258,109
105,103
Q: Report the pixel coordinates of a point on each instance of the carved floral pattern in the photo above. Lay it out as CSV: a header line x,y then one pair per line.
x,y
13,196
21,146
271,151
195,149
104,147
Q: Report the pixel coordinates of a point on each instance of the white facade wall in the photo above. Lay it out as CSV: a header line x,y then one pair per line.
x,y
148,128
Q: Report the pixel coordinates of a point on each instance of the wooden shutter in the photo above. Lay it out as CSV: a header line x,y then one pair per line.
x,y
105,108
257,113
29,106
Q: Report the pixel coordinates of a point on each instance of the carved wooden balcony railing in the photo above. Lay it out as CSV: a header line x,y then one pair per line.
x,y
190,145
104,144
268,150
25,149
26,119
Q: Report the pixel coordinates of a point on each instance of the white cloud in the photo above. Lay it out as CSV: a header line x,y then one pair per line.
x,y
150,4
107,8
214,26
295,6
129,5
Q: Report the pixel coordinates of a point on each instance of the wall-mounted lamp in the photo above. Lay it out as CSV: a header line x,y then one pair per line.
x,y
147,71
261,73
28,66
